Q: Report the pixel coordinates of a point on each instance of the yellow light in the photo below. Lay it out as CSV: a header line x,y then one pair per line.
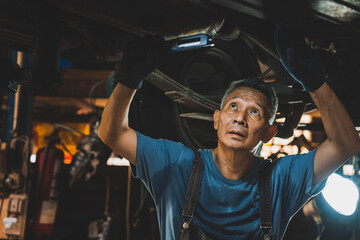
x,y
275,148
290,149
280,120
306,118
307,135
304,150
266,151
298,133
281,141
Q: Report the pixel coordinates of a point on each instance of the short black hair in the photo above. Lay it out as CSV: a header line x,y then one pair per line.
x,y
258,84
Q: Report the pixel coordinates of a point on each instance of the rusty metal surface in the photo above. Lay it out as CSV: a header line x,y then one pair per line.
x,y
344,11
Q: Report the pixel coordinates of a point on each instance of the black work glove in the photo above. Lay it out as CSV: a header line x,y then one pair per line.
x,y
303,63
140,58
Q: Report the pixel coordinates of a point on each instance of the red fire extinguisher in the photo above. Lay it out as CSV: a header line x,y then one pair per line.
x,y
46,186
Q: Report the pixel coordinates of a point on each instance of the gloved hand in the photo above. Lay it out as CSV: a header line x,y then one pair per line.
x,y
140,58
303,63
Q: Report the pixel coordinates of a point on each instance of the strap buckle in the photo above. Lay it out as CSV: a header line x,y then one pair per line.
x,y
187,218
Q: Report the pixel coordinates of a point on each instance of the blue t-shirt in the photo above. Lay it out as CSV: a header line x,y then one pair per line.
x,y
226,209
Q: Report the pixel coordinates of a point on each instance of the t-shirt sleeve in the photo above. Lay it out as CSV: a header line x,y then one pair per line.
x,y
292,177
158,162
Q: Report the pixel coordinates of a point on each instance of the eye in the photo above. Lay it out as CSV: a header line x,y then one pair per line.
x,y
255,112
232,105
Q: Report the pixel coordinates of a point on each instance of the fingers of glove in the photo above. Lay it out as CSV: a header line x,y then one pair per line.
x,y
306,69
286,39
118,70
123,73
292,48
308,61
139,71
153,47
146,50
139,59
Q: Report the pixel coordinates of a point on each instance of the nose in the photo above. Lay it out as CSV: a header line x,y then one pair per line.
x,y
240,118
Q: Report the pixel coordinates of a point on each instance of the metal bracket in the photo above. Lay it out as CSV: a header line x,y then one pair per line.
x,y
16,215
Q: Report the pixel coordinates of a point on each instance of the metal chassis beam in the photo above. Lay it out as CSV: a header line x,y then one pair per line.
x,y
180,93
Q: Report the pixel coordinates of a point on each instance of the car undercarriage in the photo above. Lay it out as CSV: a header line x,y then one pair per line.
x,y
74,45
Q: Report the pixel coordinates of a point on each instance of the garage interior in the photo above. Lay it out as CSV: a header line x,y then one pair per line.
x,y
59,181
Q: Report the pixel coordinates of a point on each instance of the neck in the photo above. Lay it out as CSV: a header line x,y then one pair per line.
x,y
233,164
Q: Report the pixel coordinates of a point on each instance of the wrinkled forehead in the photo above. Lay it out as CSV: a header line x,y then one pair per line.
x,y
249,94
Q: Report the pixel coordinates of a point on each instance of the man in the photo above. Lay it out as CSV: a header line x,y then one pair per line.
x,y
227,205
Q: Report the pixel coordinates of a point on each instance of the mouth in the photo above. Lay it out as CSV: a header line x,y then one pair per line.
x,y
237,134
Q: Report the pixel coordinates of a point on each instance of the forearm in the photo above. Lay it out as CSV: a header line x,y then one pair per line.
x,y
306,66
139,60
114,122
337,123
342,138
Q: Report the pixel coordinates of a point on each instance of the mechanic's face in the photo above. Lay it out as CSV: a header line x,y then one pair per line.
x,y
244,120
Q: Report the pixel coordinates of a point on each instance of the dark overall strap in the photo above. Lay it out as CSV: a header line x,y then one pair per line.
x,y
192,190
265,201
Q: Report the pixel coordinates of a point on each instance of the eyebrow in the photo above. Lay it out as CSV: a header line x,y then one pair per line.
x,y
261,106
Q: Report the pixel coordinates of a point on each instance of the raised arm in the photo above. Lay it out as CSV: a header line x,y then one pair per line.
x,y
342,138
114,129
304,64
139,60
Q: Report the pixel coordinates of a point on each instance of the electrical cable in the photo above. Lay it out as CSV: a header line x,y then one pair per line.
x,y
92,92
72,130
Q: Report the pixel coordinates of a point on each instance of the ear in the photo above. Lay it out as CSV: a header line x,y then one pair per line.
x,y
270,133
216,116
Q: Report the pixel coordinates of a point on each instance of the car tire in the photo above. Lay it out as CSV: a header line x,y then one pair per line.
x,y
208,72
